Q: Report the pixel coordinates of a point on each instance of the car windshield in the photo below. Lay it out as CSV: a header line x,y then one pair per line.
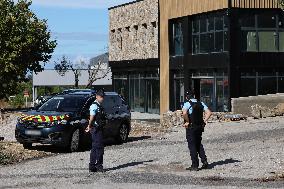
x,y
63,104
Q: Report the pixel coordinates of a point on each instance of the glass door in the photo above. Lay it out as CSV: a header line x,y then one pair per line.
x,y
207,93
213,91
153,96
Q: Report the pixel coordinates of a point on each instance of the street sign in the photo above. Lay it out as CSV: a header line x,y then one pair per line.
x,y
26,94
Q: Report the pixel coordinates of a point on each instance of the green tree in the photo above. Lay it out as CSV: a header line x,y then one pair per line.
x,y
25,44
19,100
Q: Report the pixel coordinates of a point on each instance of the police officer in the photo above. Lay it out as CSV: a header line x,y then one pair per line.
x,y
194,123
96,123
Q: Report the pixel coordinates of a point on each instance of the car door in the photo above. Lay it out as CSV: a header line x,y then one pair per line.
x,y
112,111
84,120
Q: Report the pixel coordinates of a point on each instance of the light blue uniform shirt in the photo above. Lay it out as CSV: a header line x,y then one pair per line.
x,y
187,106
94,109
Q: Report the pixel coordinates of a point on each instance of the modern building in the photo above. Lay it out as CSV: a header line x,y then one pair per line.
x,y
222,48
134,53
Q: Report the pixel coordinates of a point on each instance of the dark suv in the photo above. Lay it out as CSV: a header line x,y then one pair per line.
x,y
62,120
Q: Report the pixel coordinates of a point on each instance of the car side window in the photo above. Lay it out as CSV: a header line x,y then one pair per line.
x,y
86,109
118,101
109,102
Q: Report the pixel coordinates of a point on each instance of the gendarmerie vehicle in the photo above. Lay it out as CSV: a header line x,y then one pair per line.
x,y
62,120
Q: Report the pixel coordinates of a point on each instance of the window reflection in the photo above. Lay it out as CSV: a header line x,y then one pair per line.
x,y
262,33
177,39
250,44
267,41
211,36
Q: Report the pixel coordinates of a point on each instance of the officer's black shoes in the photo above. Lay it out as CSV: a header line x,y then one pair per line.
x,y
101,170
93,170
192,169
205,165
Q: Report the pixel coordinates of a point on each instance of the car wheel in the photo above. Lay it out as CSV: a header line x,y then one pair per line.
x,y
75,141
123,134
27,145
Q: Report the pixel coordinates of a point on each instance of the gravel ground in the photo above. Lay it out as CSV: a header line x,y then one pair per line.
x,y
241,155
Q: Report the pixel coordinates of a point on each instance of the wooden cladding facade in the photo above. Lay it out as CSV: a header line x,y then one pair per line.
x,y
170,9
255,3
178,8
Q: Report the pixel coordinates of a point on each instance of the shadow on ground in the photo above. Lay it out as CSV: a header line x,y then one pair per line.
x,y
132,164
223,162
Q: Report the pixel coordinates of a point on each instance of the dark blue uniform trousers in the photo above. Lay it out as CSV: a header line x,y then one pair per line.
x,y
97,152
194,138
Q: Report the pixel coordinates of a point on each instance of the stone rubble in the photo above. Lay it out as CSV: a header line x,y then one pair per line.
x,y
172,119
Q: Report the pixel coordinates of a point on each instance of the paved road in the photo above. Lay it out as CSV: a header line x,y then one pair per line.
x,y
241,154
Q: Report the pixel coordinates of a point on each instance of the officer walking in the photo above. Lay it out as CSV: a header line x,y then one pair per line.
x,y
96,123
195,122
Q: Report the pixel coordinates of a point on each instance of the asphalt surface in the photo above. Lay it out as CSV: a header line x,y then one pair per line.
x,y
241,155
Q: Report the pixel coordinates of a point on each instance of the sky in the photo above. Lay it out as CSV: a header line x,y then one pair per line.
x,y
79,26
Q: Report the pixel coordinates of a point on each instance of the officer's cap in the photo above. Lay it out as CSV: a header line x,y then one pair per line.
x,y
100,93
189,93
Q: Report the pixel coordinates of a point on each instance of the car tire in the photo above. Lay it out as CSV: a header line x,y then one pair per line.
x,y
122,136
74,144
27,145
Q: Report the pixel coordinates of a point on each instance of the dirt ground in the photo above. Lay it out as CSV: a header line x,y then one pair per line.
x,y
244,154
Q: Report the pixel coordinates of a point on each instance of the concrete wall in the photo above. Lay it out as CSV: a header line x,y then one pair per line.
x,y
134,31
243,105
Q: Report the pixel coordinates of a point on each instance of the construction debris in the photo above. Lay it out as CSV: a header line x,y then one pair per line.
x,y
172,119
11,153
231,117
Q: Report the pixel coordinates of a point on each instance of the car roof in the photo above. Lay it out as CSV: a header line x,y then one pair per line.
x,y
86,93
110,93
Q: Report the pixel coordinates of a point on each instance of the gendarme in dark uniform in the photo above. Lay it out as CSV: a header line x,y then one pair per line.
x,y
96,124
194,123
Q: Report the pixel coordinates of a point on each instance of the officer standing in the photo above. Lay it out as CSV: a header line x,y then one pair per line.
x,y
195,122
96,123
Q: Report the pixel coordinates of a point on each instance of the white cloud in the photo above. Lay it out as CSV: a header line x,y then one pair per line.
x,y
80,3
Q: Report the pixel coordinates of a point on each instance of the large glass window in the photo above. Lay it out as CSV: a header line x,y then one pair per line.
x,y
195,44
219,41
281,41
208,34
248,84
153,93
267,41
248,21
250,44
262,83
120,85
266,20
177,39
226,41
219,23
137,92
261,32
280,82
267,83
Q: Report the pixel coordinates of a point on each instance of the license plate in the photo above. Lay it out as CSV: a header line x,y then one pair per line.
x,y
33,133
